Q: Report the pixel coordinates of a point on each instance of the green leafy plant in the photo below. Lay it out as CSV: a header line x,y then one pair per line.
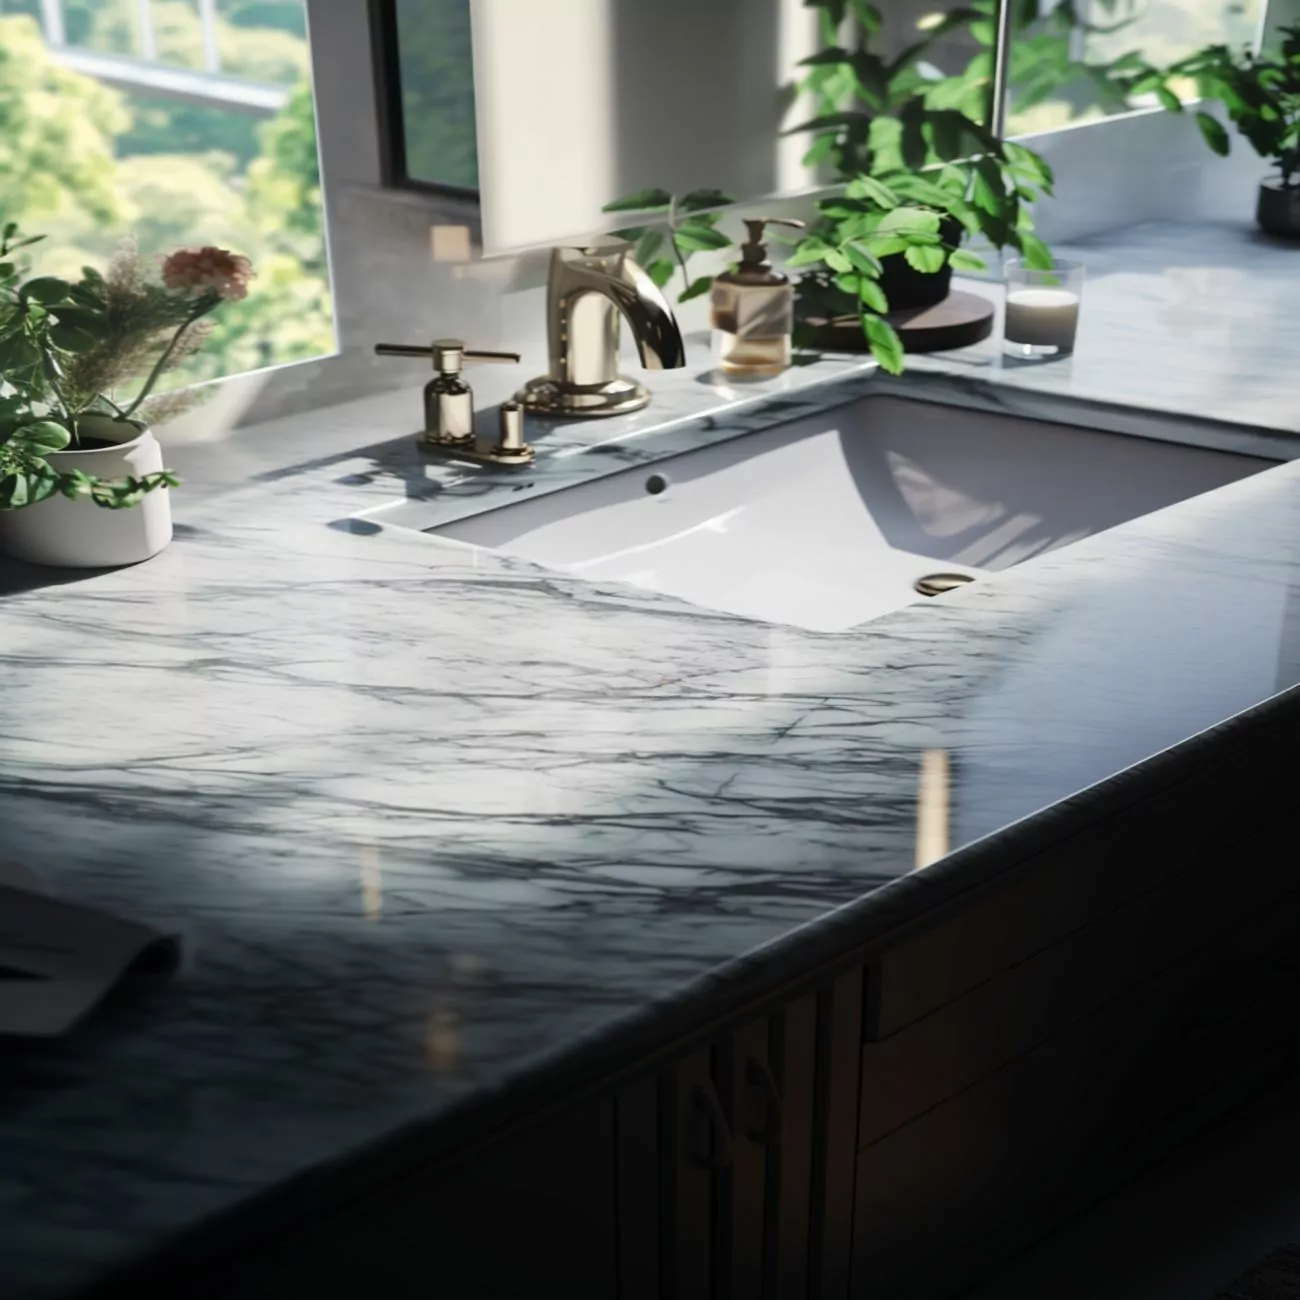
x,y
916,172
899,215
1047,60
1259,92
67,349
689,225
923,136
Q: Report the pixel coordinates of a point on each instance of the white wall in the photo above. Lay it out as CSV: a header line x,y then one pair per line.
x,y
583,101
1143,166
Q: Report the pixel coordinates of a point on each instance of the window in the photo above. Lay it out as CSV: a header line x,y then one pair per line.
x,y
1069,57
174,122
428,78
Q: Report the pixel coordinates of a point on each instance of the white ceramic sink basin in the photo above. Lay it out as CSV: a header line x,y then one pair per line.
x,y
829,521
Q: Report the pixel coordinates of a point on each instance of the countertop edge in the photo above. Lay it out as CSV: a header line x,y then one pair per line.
x,y
556,1082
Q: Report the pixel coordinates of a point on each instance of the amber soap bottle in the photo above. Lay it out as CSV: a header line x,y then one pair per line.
x,y
753,309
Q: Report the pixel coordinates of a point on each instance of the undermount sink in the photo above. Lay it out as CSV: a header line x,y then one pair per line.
x,y
831,520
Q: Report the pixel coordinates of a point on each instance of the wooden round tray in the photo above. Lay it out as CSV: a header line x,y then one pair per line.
x,y
959,321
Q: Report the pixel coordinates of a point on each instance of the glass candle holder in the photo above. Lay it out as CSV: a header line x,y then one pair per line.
x,y
1042,315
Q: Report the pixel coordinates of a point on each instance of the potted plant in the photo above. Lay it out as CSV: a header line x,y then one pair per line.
x,y
916,173
1261,95
919,134
82,482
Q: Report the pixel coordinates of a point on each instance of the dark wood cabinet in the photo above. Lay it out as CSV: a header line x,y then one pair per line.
x,y
892,1123
754,1132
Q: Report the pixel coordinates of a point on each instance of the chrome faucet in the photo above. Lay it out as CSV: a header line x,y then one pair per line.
x,y
589,289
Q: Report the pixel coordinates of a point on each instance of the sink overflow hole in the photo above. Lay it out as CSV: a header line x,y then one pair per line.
x,y
655,484
935,584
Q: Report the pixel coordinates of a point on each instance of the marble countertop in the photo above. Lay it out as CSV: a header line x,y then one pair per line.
x,y
426,817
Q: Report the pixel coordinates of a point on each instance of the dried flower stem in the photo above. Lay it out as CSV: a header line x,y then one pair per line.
x,y
161,364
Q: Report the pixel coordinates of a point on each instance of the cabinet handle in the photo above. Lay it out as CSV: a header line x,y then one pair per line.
x,y
759,1075
718,1155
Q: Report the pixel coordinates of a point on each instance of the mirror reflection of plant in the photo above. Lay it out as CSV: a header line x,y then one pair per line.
x,y
66,350
894,121
1259,92
1045,61
689,225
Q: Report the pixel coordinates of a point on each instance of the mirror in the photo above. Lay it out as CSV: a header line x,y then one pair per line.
x,y
1076,61
584,102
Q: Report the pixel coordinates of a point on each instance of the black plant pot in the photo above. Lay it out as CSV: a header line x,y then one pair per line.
x,y
1278,210
907,288
963,320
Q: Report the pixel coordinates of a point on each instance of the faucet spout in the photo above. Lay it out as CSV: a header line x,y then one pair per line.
x,y
589,293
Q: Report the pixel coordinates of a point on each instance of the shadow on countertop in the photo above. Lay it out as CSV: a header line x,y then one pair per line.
x,y
17,577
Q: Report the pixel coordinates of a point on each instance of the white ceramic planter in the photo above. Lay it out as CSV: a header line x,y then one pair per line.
x,y
80,534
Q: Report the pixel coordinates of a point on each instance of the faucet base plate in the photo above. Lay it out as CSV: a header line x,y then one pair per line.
x,y
554,399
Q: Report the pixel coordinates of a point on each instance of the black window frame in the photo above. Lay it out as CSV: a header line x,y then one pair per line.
x,y
390,114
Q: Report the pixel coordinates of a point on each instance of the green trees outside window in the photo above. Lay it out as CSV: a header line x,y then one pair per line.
x,y
90,164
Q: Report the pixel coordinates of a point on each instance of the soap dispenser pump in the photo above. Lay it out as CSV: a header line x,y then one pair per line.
x,y
753,308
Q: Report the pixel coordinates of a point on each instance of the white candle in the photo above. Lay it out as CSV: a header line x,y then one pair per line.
x,y
1042,317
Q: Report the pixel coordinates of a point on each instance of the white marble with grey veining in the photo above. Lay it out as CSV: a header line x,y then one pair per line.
x,y
424,816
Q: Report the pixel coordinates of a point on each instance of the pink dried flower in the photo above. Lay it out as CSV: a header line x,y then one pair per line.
x,y
227,273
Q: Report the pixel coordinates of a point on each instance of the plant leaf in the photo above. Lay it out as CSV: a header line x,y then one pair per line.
x,y
887,245
868,187
648,243
829,122
838,260
1035,253
17,352
884,342
909,220
927,259
696,288
832,56
77,329
832,9
867,14
48,290
1215,136
812,250
695,237
699,199
42,436
873,295
661,271
913,142
1168,100
648,200
1025,164
865,262
962,259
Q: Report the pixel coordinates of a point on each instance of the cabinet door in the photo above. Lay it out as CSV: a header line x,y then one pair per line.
x,y
735,1163
794,1063
640,1191
700,1144
835,1137
753,1105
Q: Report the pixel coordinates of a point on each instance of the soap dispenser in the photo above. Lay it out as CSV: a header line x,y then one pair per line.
x,y
753,308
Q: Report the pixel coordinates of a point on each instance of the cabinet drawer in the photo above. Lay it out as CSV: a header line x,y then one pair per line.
x,y
992,1167
1088,874
967,1038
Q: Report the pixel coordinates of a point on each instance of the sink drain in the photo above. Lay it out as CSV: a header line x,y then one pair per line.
x,y
935,584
